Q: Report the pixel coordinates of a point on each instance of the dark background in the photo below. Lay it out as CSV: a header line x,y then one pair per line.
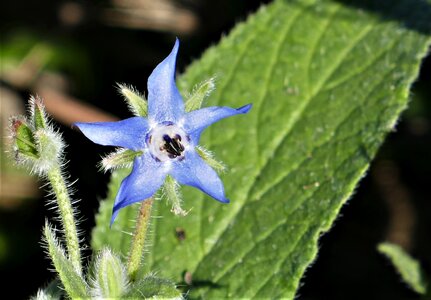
x,y
96,45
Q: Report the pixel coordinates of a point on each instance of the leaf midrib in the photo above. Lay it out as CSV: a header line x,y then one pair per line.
x,y
297,116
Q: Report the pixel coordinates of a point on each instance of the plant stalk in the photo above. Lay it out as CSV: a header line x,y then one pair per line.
x,y
64,203
139,237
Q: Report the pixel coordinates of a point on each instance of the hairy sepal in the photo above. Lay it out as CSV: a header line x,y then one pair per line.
x,y
171,190
200,92
209,158
74,285
135,100
121,158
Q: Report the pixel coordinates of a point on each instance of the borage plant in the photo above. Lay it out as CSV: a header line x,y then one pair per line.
x,y
327,79
163,150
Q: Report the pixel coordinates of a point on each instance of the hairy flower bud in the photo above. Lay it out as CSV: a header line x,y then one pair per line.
x,y
35,143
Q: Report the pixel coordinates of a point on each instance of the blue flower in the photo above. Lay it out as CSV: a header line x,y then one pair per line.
x,y
167,139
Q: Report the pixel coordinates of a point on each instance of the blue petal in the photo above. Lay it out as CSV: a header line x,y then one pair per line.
x,y
143,182
192,170
129,133
164,100
196,121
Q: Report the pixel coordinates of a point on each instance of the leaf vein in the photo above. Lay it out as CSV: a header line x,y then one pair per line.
x,y
324,142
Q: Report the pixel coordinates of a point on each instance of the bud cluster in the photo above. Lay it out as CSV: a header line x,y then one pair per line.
x,y
35,143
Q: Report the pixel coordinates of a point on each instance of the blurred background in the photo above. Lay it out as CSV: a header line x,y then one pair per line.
x,y
72,53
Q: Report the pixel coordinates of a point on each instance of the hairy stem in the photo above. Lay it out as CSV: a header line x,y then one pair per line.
x,y
139,237
66,215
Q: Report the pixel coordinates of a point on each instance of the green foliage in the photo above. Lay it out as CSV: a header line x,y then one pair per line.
x,y
328,81
409,268
21,49
153,287
119,236
110,277
71,279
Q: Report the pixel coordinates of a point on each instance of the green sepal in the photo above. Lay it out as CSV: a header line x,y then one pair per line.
x,y
24,139
119,159
173,194
153,287
136,101
209,159
74,285
38,113
408,267
52,291
200,92
109,276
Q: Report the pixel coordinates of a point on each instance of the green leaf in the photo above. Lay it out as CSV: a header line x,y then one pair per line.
x,y
153,287
409,268
109,276
119,237
328,80
72,281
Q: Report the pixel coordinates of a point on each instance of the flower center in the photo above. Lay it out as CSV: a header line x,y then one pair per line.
x,y
167,142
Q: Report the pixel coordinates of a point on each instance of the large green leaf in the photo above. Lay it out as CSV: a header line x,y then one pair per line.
x,y
328,80
117,237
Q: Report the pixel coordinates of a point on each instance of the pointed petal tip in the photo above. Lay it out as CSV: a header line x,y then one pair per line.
x,y
113,217
224,200
245,109
164,100
174,50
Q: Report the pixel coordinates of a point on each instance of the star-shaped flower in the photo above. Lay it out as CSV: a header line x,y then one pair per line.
x,y
166,139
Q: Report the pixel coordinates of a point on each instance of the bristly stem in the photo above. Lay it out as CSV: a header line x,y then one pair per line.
x,y
139,237
64,203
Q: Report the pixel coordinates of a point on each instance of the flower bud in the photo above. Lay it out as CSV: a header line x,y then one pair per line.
x,y
110,276
36,144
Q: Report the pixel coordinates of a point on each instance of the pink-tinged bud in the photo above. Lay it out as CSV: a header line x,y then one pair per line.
x,y
22,136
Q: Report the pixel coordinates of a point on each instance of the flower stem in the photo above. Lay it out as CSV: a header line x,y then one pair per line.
x,y
64,203
139,237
